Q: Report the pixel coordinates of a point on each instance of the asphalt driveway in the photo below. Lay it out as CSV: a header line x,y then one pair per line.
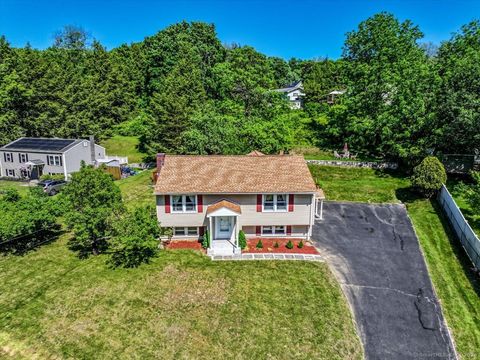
x,y
374,253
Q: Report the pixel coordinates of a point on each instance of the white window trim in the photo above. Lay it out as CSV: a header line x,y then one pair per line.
x,y
274,232
9,157
275,203
54,158
184,205
22,156
185,231
7,172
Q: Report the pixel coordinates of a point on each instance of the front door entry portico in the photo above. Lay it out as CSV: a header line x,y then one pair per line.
x,y
223,227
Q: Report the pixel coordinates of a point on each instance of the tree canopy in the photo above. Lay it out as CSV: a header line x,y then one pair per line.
x,y
182,91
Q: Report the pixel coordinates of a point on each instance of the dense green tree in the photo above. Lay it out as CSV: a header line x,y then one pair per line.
x,y
134,238
91,199
321,77
457,125
24,218
389,82
182,91
429,176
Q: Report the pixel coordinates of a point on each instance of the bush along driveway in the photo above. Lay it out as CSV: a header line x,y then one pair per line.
x,y
374,252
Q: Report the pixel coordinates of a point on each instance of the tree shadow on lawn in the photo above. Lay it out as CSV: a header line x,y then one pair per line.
x,y
22,245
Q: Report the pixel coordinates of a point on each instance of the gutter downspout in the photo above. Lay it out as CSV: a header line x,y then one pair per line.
x,y
64,167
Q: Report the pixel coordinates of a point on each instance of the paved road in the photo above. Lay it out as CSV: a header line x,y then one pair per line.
x,y
374,253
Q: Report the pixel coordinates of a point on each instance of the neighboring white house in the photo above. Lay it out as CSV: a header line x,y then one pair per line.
x,y
263,195
30,158
294,93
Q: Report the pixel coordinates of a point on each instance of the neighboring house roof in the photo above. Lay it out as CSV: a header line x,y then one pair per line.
x,y
224,204
41,144
221,174
337,92
289,88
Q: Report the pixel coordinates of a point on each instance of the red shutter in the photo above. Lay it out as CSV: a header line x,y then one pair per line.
x,y
167,204
200,203
289,229
259,202
258,230
291,201
201,230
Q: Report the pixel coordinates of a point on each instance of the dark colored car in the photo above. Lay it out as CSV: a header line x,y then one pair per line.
x,y
53,187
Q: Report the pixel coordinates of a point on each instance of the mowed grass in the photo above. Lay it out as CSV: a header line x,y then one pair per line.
x,y
180,306
137,190
450,270
124,146
457,287
461,199
359,184
21,186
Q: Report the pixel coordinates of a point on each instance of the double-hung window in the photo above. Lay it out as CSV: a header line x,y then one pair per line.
x,y
184,203
54,160
185,231
275,202
8,157
273,230
10,172
23,158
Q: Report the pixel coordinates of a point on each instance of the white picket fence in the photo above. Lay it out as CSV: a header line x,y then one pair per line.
x,y
467,237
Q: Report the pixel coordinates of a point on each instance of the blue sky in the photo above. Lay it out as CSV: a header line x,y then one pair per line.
x,y
295,28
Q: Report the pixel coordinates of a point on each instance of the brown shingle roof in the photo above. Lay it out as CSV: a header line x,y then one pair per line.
x,y
224,204
219,174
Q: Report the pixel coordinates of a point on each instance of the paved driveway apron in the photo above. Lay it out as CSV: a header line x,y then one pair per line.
x,y
373,251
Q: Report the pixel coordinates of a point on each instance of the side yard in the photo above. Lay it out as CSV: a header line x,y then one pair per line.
x,y
124,146
458,193
457,288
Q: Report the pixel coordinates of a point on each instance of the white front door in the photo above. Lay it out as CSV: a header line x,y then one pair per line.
x,y
223,227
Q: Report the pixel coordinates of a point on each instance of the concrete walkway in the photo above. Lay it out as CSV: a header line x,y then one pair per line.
x,y
302,257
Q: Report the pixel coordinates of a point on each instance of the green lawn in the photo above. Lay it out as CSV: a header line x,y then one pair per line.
x,y
124,146
359,184
460,197
137,190
22,187
456,286
181,306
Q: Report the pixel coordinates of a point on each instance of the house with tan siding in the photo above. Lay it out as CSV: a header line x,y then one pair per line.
x,y
261,195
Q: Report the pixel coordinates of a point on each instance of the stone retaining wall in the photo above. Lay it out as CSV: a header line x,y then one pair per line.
x,y
361,164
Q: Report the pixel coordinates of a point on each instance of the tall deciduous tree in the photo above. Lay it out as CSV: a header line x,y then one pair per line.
x,y
457,126
389,87
91,198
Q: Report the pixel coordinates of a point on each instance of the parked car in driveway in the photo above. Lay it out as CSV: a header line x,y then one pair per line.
x,y
44,183
53,187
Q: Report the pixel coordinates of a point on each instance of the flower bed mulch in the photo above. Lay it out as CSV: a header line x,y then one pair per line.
x,y
185,244
269,246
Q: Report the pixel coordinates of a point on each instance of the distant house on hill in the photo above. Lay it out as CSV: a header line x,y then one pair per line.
x,y
294,93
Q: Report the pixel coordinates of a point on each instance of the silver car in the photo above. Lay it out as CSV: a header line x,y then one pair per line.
x,y
53,187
